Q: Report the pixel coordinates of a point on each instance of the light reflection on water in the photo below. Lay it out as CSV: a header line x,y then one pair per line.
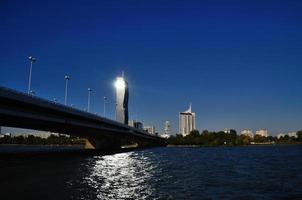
x,y
122,176
190,173
271,172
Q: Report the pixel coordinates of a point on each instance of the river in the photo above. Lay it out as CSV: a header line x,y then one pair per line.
x,y
255,172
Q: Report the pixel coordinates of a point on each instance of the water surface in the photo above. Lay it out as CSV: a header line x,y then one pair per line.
x,y
259,172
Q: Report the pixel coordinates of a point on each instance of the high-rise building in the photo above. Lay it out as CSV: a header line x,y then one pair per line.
x,y
186,122
262,132
122,96
167,128
135,124
131,123
292,134
150,129
247,132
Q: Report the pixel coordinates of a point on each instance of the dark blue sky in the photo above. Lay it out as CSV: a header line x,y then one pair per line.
x,y
238,62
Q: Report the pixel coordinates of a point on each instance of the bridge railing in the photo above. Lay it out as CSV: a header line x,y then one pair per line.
x,y
48,101
70,108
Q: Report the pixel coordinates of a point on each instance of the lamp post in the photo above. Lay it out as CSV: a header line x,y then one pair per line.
x,y
67,78
32,60
88,103
105,99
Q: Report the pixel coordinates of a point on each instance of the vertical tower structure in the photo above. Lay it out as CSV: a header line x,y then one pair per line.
x,y
167,128
122,98
187,121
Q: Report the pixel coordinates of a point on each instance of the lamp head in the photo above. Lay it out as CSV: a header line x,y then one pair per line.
x,y
32,58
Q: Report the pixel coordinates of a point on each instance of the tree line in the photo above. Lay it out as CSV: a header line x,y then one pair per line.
x,y
36,140
230,138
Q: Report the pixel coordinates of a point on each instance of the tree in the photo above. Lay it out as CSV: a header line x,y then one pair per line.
x,y
194,133
299,135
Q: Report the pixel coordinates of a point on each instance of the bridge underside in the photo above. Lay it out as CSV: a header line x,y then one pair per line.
x,y
100,133
95,138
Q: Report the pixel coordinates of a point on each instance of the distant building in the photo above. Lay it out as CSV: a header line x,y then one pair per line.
x,y
280,135
289,134
136,124
8,134
186,122
122,96
262,132
167,130
150,129
1,136
227,130
292,134
139,125
247,132
131,123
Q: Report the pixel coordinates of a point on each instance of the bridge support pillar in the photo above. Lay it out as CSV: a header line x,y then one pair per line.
x,y
102,144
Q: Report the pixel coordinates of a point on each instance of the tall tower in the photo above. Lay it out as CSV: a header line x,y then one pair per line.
x,y
122,97
187,122
167,128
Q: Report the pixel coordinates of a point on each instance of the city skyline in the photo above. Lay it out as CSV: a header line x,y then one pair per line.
x,y
237,63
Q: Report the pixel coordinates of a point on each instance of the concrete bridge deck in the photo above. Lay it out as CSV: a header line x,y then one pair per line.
x,y
21,110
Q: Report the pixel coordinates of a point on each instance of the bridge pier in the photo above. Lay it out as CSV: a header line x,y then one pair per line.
x,y
102,144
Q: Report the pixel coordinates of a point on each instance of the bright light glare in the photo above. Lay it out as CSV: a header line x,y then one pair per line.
x,y
120,84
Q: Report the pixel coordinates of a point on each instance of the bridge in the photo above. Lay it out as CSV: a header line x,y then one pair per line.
x,y
21,110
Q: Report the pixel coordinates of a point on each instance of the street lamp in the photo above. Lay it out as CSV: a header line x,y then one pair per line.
x,y
105,99
32,60
88,103
67,78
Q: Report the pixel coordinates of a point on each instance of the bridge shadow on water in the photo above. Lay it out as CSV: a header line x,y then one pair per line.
x,y
75,174
68,153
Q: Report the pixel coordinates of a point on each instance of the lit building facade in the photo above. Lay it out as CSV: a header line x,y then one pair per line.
x,y
150,129
136,124
187,122
247,132
167,130
262,132
122,97
226,130
292,134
